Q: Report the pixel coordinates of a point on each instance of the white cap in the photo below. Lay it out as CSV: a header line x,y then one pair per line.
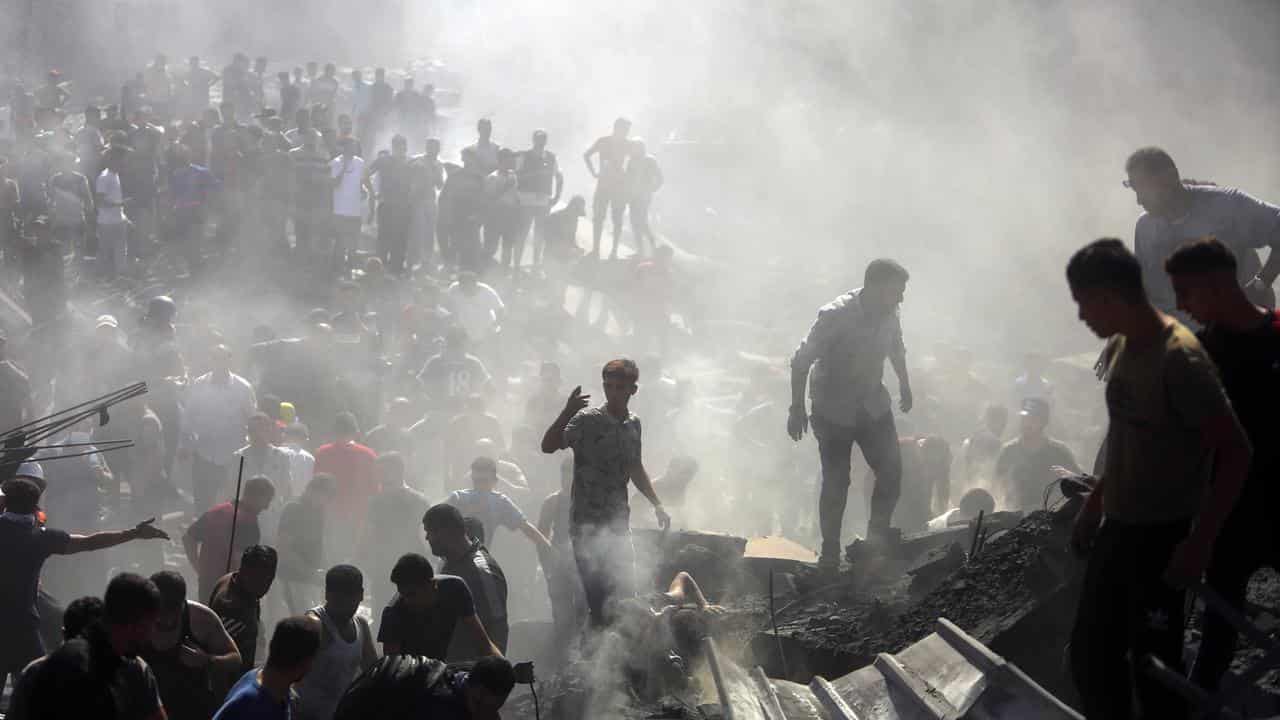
x,y
107,321
30,470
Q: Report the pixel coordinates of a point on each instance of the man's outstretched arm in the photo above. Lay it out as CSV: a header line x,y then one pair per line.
x,y
145,530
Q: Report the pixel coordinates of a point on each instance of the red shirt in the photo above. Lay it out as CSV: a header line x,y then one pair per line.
x,y
352,464
212,531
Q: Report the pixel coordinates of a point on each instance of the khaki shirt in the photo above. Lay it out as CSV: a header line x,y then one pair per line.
x,y
1159,397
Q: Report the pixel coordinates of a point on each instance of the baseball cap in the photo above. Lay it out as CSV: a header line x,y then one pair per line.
x,y
1037,407
107,321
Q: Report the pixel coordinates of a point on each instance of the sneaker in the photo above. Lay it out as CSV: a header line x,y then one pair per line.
x,y
829,563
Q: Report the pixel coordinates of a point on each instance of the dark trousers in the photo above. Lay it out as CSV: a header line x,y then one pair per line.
x,y
188,234
606,564
1246,544
878,440
507,222
640,229
393,235
1127,612
207,483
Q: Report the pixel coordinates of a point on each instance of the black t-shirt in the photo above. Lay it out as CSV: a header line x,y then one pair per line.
x,y
395,183
429,631
85,678
1249,364
24,546
488,585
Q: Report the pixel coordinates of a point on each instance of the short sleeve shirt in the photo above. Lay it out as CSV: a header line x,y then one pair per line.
x,y
1240,221
846,349
248,700
488,586
605,449
428,632
451,379
1249,363
1027,470
26,547
131,688
1158,398
492,508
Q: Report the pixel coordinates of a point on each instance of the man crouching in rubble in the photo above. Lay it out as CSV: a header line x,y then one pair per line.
x,y
1149,526
606,456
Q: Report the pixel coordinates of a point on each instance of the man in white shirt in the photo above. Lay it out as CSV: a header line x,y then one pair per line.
x,y
347,172
302,464
478,308
113,227
216,410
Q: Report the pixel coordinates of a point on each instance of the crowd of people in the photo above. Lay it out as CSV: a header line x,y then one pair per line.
x,y
317,457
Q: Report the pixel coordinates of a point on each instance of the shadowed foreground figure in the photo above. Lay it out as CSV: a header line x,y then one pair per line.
x,y
1243,340
1163,450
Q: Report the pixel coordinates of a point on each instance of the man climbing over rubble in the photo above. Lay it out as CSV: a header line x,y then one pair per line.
x,y
847,347
606,456
1243,340
1172,436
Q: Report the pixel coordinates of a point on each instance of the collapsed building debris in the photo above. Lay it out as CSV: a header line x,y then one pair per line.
x,y
1015,597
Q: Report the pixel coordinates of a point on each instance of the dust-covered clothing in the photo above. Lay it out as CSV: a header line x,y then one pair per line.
x,y
1159,397
846,349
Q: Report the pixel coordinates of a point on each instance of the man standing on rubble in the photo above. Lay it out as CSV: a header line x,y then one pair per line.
x,y
1243,340
1175,461
847,347
606,456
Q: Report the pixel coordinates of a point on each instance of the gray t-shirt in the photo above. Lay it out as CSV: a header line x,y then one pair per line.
x,y
1240,221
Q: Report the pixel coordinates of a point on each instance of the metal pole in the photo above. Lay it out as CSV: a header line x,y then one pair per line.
x,y
235,512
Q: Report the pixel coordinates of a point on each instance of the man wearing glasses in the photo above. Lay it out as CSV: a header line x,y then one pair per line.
x,y
1179,210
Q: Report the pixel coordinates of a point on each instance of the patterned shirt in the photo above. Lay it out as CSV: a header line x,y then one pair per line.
x,y
605,449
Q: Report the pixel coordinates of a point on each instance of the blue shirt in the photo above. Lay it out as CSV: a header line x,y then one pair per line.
x,y
248,700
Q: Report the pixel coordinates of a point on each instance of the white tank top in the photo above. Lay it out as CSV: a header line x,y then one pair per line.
x,y
335,666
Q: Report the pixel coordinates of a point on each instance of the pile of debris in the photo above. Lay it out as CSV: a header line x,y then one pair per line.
x,y
1016,596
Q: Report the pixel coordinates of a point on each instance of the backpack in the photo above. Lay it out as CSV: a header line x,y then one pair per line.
x,y
393,688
